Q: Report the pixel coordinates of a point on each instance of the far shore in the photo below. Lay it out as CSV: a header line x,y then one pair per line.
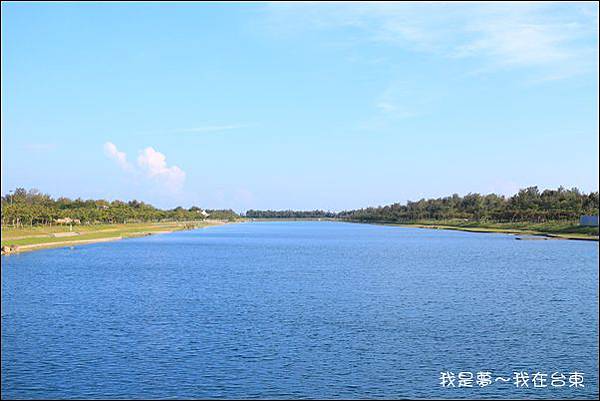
x,y
19,240
525,232
520,233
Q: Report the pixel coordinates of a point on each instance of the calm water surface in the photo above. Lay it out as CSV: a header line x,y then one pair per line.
x,y
298,310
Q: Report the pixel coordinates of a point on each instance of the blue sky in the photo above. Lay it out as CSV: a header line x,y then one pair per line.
x,y
296,105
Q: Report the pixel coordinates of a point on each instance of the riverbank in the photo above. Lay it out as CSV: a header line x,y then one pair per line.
x,y
525,230
565,231
17,240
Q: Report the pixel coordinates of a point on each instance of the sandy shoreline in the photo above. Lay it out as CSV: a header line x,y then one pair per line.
x,y
33,247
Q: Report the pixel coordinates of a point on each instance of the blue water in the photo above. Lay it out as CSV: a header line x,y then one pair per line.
x,y
299,310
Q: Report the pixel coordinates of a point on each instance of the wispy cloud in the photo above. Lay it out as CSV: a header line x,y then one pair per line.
x,y
401,99
209,128
39,147
553,45
551,40
386,106
202,129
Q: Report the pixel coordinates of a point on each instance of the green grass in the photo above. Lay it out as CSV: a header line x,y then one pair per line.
x,y
43,235
10,232
567,230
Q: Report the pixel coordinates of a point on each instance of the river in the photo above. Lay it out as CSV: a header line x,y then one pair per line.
x,y
302,310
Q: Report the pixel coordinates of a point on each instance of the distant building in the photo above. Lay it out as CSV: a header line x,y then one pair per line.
x,y
67,220
203,213
588,221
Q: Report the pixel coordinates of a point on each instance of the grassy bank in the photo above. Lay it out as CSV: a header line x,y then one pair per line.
x,y
558,230
42,237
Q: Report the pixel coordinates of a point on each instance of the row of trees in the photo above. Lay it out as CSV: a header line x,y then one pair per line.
x,y
32,207
289,214
528,205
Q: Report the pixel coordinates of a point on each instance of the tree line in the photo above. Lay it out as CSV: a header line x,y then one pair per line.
x,y
289,214
528,205
31,207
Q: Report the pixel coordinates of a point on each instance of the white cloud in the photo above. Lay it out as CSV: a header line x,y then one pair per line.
x,y
150,164
119,157
154,164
